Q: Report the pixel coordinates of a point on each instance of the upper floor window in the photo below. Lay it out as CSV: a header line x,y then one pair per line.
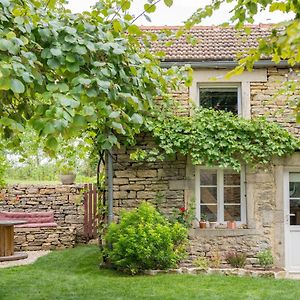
x,y
220,97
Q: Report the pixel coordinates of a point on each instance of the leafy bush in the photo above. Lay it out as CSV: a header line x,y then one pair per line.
x,y
265,258
236,260
144,239
201,262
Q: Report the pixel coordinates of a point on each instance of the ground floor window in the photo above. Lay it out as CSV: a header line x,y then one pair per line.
x,y
220,195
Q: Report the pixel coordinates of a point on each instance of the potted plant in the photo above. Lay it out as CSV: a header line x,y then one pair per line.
x,y
67,174
67,159
203,221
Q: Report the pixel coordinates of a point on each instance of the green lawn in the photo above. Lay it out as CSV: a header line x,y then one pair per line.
x,y
74,274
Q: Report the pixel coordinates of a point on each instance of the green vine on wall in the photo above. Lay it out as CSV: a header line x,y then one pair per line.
x,y
218,138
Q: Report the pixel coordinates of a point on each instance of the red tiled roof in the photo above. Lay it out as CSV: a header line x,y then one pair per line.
x,y
215,43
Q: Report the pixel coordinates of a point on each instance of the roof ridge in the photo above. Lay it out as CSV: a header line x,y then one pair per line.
x,y
215,42
160,27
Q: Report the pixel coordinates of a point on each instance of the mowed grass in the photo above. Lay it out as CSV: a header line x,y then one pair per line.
x,y
75,274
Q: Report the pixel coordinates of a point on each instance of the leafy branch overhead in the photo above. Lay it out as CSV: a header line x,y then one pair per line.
x,y
218,138
71,74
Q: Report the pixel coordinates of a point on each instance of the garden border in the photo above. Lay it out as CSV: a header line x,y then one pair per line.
x,y
280,274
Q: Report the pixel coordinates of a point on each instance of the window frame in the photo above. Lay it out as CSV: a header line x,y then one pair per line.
x,y
220,193
237,85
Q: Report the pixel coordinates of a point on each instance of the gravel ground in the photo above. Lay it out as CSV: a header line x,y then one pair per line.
x,y
32,257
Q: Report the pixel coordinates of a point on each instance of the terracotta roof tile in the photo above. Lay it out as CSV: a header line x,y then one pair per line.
x,y
215,43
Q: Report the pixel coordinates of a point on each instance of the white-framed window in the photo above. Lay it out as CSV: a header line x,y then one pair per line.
x,y
220,194
220,96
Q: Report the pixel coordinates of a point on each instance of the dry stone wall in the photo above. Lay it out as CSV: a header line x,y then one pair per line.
x,y
44,238
64,200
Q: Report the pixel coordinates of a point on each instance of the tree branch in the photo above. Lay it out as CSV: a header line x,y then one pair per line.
x,y
141,14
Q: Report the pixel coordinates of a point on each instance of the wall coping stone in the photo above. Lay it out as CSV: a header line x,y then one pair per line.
x,y
42,185
197,232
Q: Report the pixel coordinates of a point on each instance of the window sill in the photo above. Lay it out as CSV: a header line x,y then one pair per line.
x,y
197,232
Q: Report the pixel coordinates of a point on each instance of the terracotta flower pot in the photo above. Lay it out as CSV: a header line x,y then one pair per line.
x,y
202,224
231,225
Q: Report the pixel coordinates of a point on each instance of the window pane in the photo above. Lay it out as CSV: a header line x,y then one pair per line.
x,y
294,189
232,212
208,177
208,195
210,211
219,98
231,178
232,195
294,212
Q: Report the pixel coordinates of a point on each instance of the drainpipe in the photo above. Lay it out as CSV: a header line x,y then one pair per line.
x,y
109,178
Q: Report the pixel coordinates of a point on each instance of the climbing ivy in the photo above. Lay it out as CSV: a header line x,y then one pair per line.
x,y
218,138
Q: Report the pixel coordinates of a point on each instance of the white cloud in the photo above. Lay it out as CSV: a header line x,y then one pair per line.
x,y
179,12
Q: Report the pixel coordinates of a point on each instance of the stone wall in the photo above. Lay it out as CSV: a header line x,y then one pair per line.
x,y
135,182
265,100
218,242
44,238
64,200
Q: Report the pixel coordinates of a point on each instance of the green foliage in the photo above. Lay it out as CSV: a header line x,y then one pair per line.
x,y
184,216
218,138
265,258
201,262
235,259
70,75
144,239
3,168
204,217
31,162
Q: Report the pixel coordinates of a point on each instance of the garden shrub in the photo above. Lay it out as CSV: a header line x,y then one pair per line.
x,y
236,260
144,239
215,260
201,262
265,258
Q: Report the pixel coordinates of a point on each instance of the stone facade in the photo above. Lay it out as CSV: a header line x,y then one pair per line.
x,y
212,242
157,182
65,201
266,100
174,180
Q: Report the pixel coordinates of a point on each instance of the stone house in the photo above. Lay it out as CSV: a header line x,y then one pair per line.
x,y
265,204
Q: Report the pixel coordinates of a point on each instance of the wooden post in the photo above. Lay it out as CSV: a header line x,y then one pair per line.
x,y
7,240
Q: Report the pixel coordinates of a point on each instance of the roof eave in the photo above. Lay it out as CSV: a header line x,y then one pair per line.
x,y
221,64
